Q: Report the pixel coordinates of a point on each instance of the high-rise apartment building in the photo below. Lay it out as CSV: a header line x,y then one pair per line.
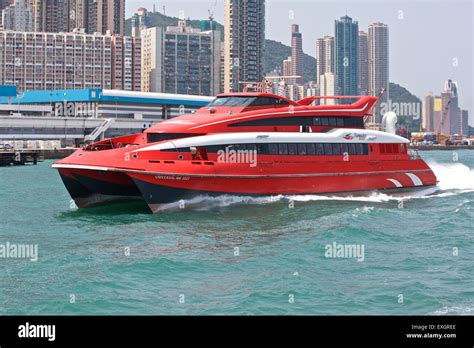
x,y
327,88
428,113
140,20
346,56
296,55
181,60
95,16
363,63
18,16
378,64
287,67
448,117
244,39
46,61
324,56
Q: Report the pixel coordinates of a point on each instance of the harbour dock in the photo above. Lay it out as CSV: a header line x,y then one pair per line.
x,y
31,156
19,157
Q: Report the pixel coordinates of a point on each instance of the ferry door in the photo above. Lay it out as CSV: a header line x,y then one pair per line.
x,y
373,153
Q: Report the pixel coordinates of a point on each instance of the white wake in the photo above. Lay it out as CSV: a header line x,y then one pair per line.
x,y
454,179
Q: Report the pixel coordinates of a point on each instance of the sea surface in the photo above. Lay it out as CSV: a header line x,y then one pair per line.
x,y
236,255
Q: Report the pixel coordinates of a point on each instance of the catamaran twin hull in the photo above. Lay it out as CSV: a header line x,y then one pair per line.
x,y
168,173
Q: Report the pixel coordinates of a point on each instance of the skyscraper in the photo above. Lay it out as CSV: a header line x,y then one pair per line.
x,y
448,116
378,64
326,88
324,56
51,15
140,20
296,55
18,16
181,60
106,15
94,16
428,112
244,39
363,63
346,56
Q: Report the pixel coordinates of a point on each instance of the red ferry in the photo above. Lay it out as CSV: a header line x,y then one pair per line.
x,y
247,144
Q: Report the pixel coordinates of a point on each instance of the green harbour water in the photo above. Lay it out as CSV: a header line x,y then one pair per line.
x,y
236,255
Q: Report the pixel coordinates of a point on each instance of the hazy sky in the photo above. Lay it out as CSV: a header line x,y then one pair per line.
x,y
430,40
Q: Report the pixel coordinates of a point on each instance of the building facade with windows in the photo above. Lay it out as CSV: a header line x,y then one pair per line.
x,y
244,40
181,60
48,61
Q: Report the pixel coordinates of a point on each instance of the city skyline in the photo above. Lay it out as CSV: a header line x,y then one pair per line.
x,y
421,66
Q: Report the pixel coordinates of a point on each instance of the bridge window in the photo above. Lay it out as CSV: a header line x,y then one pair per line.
x,y
328,149
319,149
273,149
282,149
292,149
302,149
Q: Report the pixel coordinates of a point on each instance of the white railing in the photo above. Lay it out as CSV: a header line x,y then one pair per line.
x,y
100,129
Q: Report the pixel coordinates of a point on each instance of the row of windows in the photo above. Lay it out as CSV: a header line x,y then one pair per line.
x,y
292,149
340,121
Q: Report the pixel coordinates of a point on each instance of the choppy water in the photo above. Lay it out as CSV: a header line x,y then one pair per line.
x,y
186,262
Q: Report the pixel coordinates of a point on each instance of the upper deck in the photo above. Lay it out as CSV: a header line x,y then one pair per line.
x,y
265,112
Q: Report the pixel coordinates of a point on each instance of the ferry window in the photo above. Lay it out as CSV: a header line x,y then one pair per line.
x,y
240,147
402,148
292,149
302,149
265,101
352,149
362,149
344,149
388,148
340,121
332,121
353,122
324,121
251,147
262,149
283,149
273,149
316,121
319,149
156,137
365,148
382,148
336,149
327,149
395,148
281,102
311,149
231,101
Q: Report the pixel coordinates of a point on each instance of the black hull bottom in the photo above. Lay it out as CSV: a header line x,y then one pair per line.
x,y
88,192
159,197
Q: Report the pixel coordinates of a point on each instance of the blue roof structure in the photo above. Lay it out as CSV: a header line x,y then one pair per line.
x,y
7,91
101,95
